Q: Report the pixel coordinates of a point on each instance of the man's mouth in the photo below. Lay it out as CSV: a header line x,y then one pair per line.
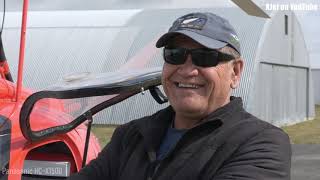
x,y
187,85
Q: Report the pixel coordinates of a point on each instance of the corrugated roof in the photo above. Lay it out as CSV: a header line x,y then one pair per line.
x,y
57,50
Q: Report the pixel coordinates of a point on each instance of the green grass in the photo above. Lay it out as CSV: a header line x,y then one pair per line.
x,y
103,133
307,132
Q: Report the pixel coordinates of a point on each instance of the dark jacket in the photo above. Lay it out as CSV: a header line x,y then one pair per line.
x,y
230,144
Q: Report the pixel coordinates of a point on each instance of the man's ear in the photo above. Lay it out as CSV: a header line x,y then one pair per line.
x,y
236,73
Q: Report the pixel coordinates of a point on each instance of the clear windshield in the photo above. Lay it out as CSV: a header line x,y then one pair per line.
x,y
74,95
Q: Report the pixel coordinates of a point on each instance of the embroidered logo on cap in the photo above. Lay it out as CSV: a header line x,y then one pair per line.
x,y
192,22
234,39
189,20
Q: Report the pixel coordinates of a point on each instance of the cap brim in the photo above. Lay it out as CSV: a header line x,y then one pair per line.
x,y
203,40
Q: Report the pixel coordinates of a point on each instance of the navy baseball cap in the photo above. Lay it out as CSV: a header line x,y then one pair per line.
x,y
208,29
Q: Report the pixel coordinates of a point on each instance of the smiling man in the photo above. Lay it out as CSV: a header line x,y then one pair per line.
x,y
205,133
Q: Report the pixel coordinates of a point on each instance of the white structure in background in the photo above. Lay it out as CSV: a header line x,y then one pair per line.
x,y
276,85
316,82
282,92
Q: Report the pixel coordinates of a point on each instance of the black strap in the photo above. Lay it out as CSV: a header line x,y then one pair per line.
x,y
158,95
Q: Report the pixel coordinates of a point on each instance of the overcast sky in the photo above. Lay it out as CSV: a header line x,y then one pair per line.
x,y
309,20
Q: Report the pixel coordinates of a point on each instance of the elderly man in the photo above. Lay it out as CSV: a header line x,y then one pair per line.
x,y
205,133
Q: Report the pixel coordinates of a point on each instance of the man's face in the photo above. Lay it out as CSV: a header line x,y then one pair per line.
x,y
196,91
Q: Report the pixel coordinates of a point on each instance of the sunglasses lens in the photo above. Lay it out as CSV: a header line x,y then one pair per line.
x,y
200,57
174,56
205,58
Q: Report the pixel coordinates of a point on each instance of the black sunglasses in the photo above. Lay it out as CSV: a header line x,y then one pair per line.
x,y
202,57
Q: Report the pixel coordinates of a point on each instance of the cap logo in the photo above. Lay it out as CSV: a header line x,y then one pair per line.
x,y
189,20
192,22
234,39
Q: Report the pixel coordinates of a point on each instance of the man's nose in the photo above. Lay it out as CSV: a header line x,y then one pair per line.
x,y
188,68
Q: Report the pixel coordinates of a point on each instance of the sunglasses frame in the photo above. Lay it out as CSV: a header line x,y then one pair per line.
x,y
217,56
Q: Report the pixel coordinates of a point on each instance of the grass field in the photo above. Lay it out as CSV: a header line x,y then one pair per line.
x,y
306,132
303,133
103,133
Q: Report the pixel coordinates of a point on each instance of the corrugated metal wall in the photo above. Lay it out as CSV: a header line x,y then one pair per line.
x,y
316,85
281,100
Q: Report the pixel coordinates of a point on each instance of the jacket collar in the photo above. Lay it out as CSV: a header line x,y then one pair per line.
x,y
225,112
153,128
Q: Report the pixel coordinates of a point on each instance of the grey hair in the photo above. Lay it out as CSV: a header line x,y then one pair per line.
x,y
231,51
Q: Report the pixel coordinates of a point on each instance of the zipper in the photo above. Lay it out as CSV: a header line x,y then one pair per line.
x,y
153,159
161,163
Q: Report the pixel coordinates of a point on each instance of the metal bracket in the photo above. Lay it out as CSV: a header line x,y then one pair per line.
x,y
88,115
158,95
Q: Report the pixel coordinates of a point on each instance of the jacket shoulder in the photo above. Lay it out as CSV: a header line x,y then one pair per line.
x,y
242,126
254,149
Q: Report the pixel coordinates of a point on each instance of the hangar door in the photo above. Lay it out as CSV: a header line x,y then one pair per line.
x,y
281,93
